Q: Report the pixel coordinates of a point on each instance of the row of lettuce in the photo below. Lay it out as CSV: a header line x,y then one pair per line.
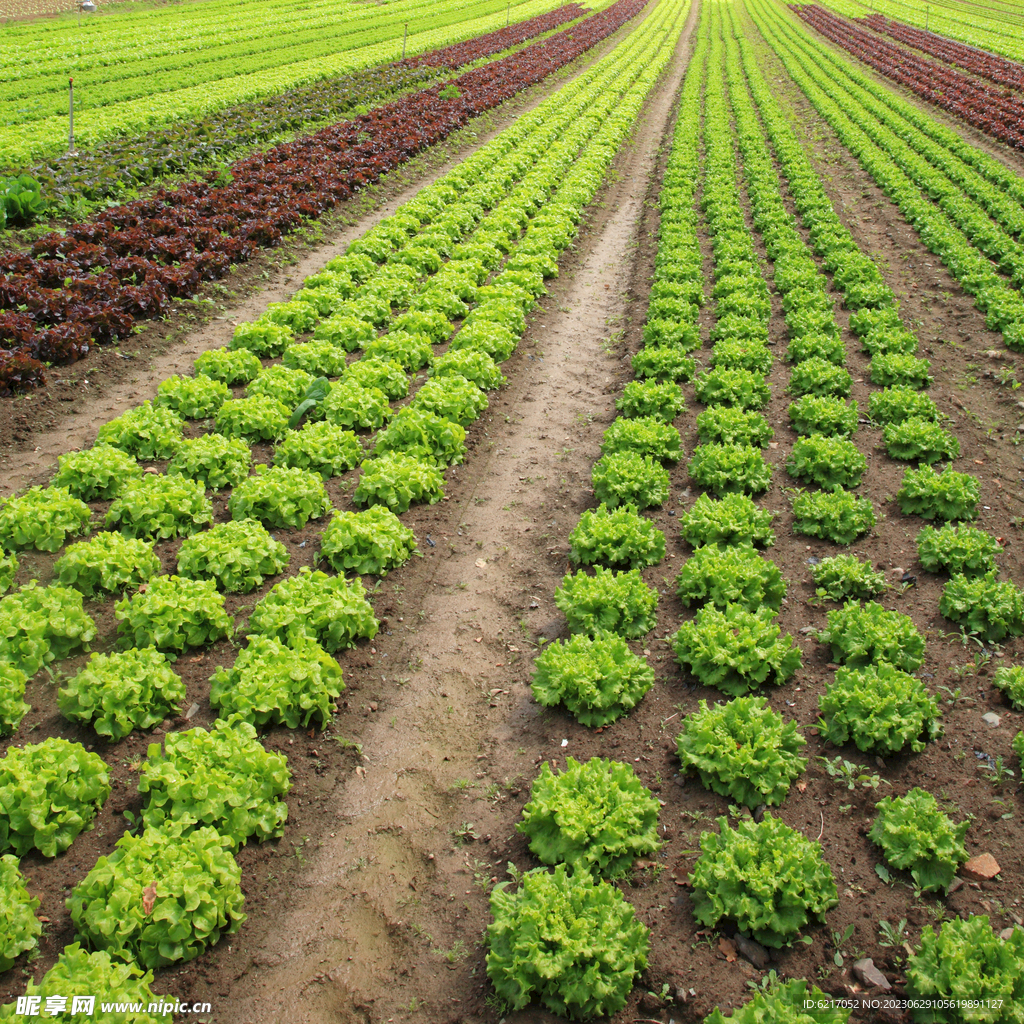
x,y
966,205
115,98
474,247
762,875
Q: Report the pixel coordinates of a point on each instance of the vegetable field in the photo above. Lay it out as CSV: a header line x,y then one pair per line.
x,y
527,530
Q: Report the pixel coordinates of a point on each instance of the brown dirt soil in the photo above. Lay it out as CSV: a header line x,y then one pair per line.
x,y
372,907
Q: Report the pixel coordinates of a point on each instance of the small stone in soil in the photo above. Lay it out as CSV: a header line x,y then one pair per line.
x,y
991,719
981,868
868,974
751,950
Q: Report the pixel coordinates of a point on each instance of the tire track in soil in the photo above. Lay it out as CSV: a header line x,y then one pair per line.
x,y
387,915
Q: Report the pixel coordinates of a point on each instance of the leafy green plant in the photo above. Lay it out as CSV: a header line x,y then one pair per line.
x,y
146,431
919,440
816,346
593,946
351,405
237,366
742,354
617,602
986,606
965,965
214,461
830,462
888,368
733,519
596,816
494,339
735,650
823,414
382,374
898,403
729,424
116,693
730,468
452,398
318,358
423,435
8,570
743,750
627,478
21,200
916,836
285,385
668,363
238,555
398,480
620,538
880,708
344,331
838,516
329,609
645,436
373,541
298,315
12,689
78,973
598,679
192,398
19,927
946,495
271,682
410,351
49,793
42,624
1010,679
109,562
98,473
870,634
842,577
160,898
173,613
817,376
42,518
723,385
736,574
765,876
796,1001
472,364
223,778
255,419
263,338
160,507
325,448
661,399
957,549
280,496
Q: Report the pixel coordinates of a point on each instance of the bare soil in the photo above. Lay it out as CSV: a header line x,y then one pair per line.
x,y
372,907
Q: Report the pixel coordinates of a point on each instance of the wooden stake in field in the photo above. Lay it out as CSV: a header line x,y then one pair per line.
x,y
405,39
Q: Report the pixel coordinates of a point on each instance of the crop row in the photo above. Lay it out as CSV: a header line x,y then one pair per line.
x,y
22,142
955,228
92,283
979,62
986,26
173,889
111,167
874,701
992,111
